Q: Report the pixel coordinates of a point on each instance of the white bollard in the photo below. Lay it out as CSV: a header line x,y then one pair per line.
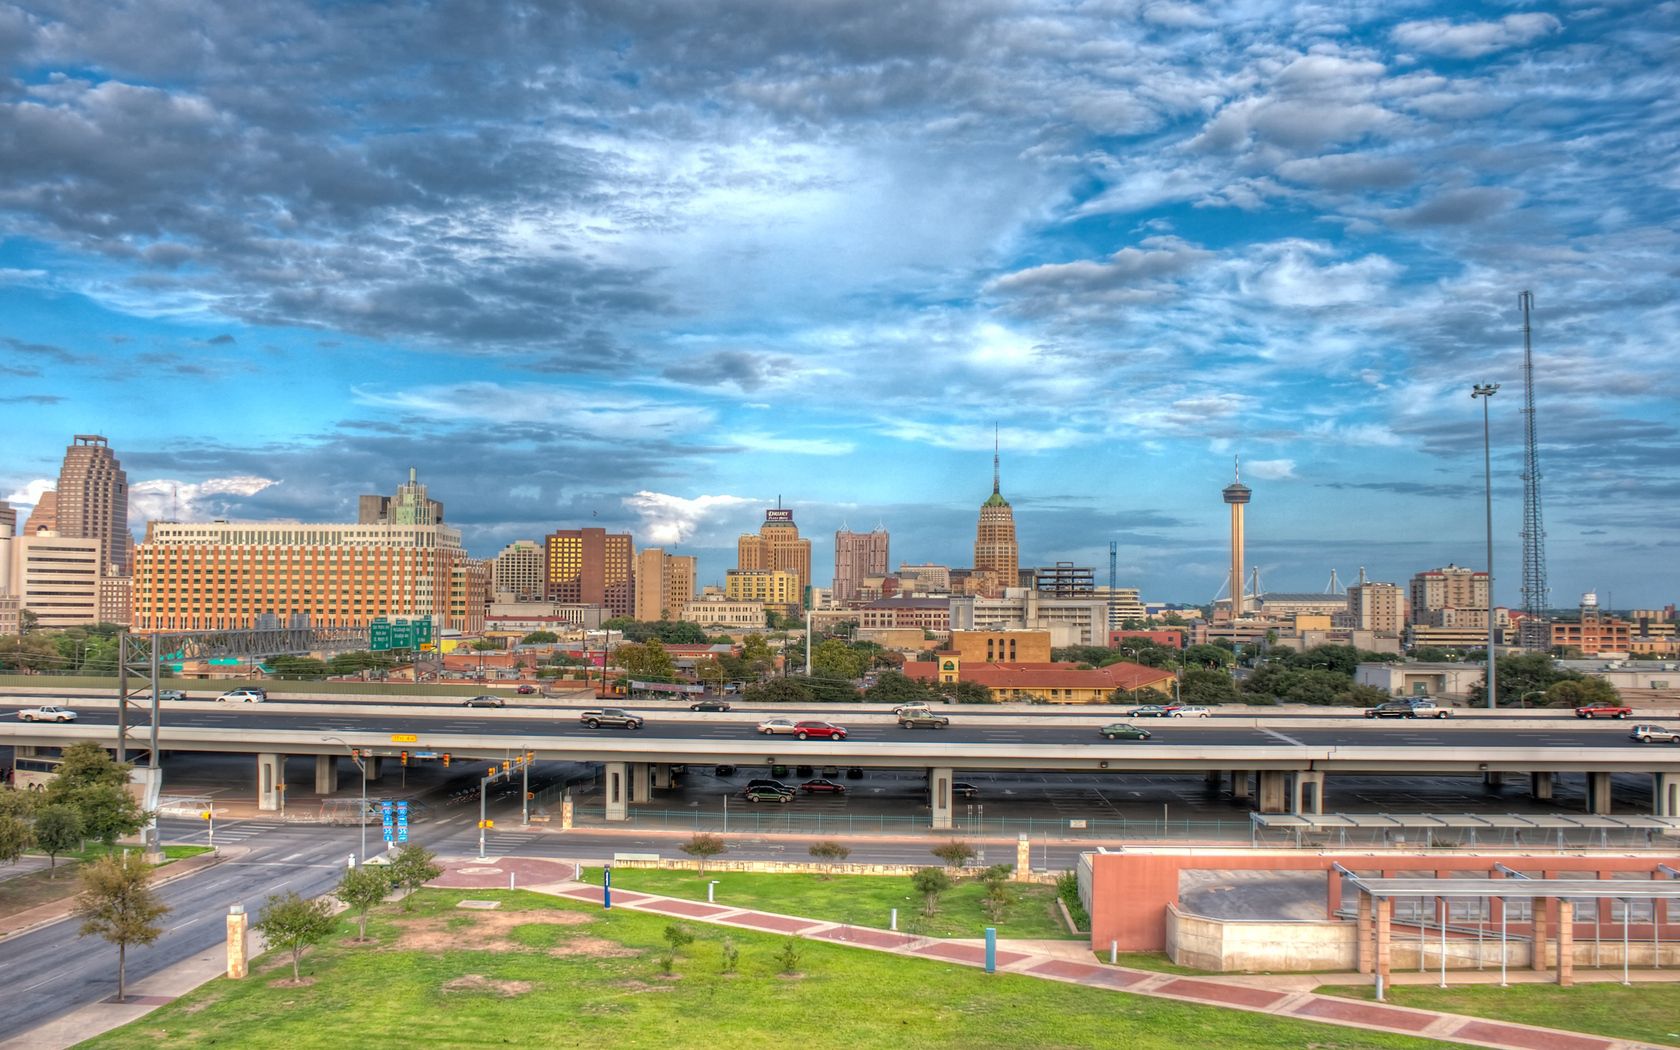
x,y
710,886
1113,952
510,880
894,925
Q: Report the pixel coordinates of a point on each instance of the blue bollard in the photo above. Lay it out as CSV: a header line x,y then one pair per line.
x,y
606,887
991,949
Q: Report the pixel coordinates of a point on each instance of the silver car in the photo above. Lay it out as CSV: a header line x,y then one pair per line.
x,y
777,727
1654,734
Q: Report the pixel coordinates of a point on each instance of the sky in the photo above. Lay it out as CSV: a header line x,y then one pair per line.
x,y
653,266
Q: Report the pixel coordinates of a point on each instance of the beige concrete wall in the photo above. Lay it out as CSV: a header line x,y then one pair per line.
x,y
1239,946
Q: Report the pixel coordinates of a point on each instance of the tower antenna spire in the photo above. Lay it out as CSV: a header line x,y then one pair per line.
x,y
995,475
1534,632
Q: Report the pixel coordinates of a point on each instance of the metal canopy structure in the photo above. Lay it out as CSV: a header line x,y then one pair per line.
x,y
1522,889
1468,825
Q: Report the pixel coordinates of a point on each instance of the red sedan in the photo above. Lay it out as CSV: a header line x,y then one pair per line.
x,y
823,784
821,730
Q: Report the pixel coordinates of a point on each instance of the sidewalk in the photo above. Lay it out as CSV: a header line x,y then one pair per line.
x,y
1056,963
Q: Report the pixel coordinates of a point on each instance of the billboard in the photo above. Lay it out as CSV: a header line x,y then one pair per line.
x,y
778,515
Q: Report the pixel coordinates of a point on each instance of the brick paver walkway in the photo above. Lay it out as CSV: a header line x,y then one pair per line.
x,y
554,877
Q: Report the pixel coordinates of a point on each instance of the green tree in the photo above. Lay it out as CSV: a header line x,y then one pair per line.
x,y
539,638
827,690
30,653
1581,692
292,924
964,692
297,667
787,956
15,836
485,645
679,632
702,846
1202,686
830,853
413,867
1204,655
645,661
90,780
930,883
834,658
711,674
117,903
362,889
756,650
894,687
778,691
955,853
58,829
1520,675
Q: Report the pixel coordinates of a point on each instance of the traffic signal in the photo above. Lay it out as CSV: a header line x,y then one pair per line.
x,y
530,756
446,760
529,795
204,814
356,753
404,757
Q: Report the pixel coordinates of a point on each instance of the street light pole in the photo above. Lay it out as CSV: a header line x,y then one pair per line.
x,y
361,764
1484,392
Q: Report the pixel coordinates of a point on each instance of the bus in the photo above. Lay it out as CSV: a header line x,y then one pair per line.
x,y
34,772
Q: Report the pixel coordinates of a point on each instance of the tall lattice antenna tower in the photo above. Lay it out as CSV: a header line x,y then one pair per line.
x,y
1536,632
1113,581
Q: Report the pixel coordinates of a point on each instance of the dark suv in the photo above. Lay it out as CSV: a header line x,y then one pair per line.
x,y
1412,708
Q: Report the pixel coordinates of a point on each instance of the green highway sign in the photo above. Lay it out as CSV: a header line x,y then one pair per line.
x,y
399,634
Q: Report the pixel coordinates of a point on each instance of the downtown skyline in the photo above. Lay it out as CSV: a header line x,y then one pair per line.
x,y
649,268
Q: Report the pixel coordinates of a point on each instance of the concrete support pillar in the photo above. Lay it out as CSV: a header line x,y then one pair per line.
x,y
662,776
1384,921
1493,780
1214,779
238,942
271,773
1566,943
1540,786
640,789
939,792
1274,791
326,774
568,811
1539,907
1598,793
1239,784
372,763
1366,929
1307,793
1665,794
1023,859
617,790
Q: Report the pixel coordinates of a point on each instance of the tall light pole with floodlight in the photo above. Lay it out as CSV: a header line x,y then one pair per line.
x,y
1484,392
361,764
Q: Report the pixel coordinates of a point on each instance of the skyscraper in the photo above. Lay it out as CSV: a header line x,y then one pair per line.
x,y
664,583
45,515
1237,495
858,556
92,499
410,506
590,567
776,547
516,573
995,551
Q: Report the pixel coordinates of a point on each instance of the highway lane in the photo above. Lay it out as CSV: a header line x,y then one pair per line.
x,y
736,727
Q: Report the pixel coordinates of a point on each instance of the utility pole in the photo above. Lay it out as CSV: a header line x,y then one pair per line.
x,y
1484,393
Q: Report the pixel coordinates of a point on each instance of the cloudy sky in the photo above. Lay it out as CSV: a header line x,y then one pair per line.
x,y
651,265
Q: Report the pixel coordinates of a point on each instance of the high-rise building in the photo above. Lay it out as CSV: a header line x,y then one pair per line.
x,y
1237,495
1376,607
776,588
664,583
92,499
44,518
1450,597
590,566
223,575
776,547
857,557
996,554
8,530
1065,580
58,578
516,573
410,506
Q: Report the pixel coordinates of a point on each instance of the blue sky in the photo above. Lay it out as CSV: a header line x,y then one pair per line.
x,y
651,265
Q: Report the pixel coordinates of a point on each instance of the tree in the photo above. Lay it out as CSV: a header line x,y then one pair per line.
x,y
97,787
787,956
1581,692
755,650
290,923
710,673
539,637
930,883
29,653
1204,655
895,687
298,667
15,837
833,658
1202,686
361,889
645,661
965,692
830,853
828,690
413,867
117,903
778,691
955,853
58,829
485,645
703,846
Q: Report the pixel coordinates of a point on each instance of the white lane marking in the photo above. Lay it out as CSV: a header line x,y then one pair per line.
x,y
1280,736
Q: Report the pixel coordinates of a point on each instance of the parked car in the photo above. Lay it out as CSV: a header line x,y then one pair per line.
x,y
242,696
765,794
526,690
1409,708
820,730
1646,733
49,713
923,719
611,716
777,727
965,791
1124,731
1150,711
484,701
822,784
710,705
1190,711
171,694
1603,711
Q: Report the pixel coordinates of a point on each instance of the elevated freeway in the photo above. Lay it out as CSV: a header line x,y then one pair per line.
x,y
1281,765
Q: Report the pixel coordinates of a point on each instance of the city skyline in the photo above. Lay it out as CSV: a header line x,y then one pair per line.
x,y
641,276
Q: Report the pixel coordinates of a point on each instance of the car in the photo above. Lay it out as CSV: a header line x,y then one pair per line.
x,y
1603,711
923,719
484,701
1646,733
914,705
820,730
967,791
777,727
49,713
765,794
1409,708
526,690
611,716
822,784
1124,731
762,782
1190,711
171,694
1150,711
242,696
710,705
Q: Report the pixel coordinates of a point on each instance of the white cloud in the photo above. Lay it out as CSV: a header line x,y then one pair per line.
x,y
1438,36
760,442
1288,275
30,494
164,499
1270,469
601,415
668,520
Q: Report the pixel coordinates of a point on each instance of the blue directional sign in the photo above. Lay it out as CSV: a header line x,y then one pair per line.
x,y
385,819
402,821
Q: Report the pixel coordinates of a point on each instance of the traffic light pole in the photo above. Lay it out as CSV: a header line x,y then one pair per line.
x,y
524,794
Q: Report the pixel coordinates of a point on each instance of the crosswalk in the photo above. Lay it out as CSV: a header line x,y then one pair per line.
x,y
226,833
502,843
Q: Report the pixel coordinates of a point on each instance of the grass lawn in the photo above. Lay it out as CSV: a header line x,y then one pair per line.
x,y
44,887
547,972
1643,1013
861,900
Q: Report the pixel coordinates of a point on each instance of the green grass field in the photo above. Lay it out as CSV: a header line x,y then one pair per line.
x,y
861,900
1647,1013
547,972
